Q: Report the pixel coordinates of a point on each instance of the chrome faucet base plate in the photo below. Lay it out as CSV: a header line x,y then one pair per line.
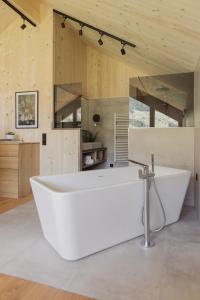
x,y
150,244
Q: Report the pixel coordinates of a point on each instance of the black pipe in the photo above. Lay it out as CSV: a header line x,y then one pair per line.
x,y
102,32
24,17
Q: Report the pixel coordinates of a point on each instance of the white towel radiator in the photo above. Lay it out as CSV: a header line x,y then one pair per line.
x,y
121,123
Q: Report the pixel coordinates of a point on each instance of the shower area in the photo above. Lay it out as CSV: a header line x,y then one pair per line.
x,y
165,101
107,120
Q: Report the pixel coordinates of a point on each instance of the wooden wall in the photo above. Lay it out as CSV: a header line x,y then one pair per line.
x,y
107,77
102,76
32,60
69,56
26,64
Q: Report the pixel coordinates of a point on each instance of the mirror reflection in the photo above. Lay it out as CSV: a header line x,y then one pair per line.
x,y
155,101
162,101
67,105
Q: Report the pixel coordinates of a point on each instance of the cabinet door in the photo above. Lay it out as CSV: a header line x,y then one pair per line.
x,y
9,150
9,183
28,166
9,163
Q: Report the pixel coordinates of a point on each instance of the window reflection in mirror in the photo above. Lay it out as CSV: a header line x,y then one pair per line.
x,y
162,101
139,114
163,121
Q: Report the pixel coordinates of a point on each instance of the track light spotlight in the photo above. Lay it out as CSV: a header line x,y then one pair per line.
x,y
100,40
123,51
100,33
81,30
63,22
23,26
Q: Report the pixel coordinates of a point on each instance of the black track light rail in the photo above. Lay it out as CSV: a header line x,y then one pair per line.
x,y
102,32
24,17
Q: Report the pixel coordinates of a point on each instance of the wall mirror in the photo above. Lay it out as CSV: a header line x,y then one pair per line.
x,y
162,101
67,105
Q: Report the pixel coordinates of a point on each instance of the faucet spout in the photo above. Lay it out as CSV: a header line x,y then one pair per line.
x,y
137,163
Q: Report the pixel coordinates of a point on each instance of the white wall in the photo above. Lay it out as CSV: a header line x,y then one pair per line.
x,y
173,147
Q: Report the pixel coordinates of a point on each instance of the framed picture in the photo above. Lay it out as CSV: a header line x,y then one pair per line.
x,y
26,109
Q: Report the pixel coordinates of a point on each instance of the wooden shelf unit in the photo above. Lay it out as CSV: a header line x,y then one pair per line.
x,y
18,162
99,155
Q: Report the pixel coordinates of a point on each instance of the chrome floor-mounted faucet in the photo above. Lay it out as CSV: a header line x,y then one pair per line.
x,y
146,174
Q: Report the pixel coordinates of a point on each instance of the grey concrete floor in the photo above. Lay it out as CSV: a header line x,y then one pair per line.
x,y
169,271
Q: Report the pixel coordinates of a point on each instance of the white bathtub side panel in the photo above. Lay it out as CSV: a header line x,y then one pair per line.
x,y
100,219
46,211
56,218
172,191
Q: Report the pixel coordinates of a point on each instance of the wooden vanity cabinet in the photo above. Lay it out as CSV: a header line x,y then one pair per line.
x,y
18,162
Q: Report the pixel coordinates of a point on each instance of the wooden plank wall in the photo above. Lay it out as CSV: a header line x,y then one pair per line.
x,y
107,76
26,64
102,76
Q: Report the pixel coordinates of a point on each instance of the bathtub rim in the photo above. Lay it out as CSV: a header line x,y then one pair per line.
x,y
82,191
35,179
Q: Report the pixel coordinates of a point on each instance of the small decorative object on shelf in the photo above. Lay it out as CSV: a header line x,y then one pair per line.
x,y
88,160
93,157
10,135
88,137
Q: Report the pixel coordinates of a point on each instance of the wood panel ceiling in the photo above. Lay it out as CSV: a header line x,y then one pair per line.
x,y
166,32
30,8
6,16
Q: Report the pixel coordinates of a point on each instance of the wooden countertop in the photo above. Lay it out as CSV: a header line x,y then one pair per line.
x,y
5,142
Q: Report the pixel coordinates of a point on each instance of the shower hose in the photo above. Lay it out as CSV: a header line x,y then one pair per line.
x,y
152,181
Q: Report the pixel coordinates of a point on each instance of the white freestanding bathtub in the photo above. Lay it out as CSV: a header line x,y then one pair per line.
x,y
85,212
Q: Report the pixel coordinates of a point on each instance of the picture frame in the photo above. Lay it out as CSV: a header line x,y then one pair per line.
x,y
26,109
